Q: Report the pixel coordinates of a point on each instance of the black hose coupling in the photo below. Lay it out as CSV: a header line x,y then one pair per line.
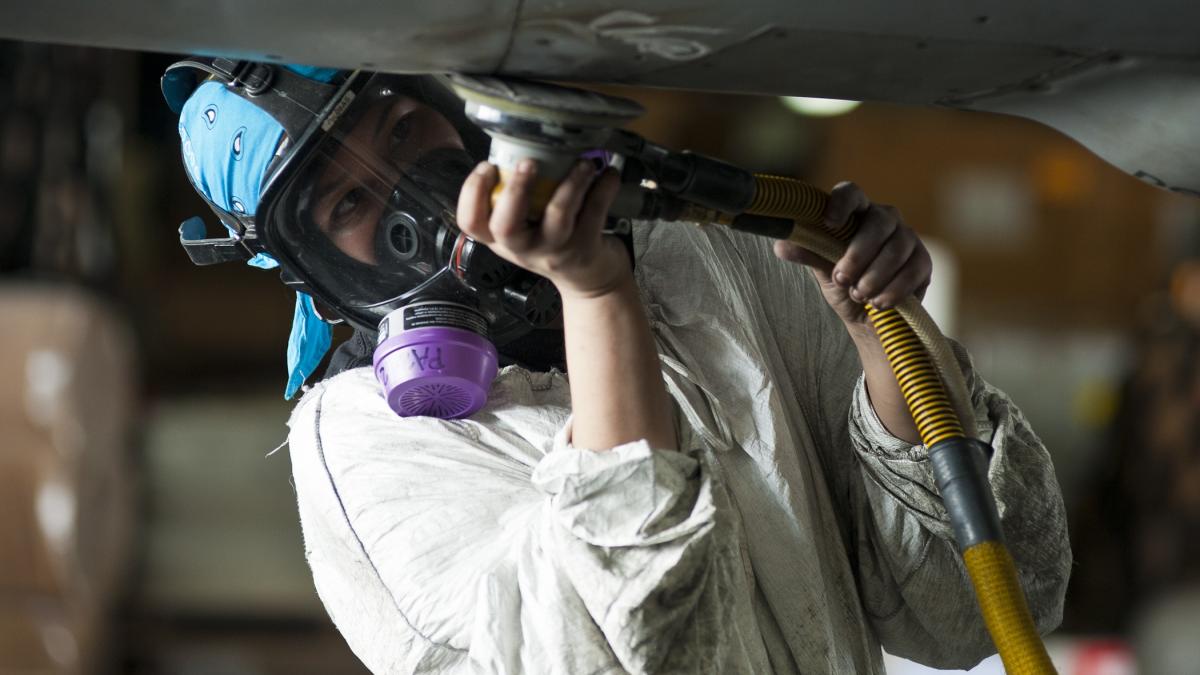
x,y
706,181
960,468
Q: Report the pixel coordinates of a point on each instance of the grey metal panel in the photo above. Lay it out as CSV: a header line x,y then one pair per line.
x,y
1140,115
881,69
1045,60
638,42
403,36
857,47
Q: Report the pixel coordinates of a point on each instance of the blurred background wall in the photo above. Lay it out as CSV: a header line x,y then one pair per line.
x,y
146,528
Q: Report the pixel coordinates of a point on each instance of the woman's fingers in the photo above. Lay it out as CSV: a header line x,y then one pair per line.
x,y
876,225
563,209
509,225
884,261
474,203
786,250
912,279
596,205
565,246
845,199
887,264
571,203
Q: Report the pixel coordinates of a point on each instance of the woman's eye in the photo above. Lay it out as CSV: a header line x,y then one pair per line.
x,y
400,133
347,204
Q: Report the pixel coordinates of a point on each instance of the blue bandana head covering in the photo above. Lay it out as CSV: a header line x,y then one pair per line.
x,y
228,143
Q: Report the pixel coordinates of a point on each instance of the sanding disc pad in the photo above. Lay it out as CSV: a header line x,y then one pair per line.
x,y
546,102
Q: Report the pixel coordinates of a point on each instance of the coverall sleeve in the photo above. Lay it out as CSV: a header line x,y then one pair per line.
x,y
481,546
915,586
912,579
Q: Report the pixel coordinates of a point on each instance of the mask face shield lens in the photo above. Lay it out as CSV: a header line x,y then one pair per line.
x,y
367,211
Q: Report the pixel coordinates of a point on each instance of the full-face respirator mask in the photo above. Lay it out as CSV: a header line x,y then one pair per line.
x,y
357,207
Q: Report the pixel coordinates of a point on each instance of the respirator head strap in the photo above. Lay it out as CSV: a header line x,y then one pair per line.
x,y
293,100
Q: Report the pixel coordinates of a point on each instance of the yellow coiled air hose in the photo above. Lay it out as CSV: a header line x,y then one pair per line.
x,y
937,399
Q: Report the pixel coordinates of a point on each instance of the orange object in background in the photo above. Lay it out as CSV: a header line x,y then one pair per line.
x,y
1064,175
1185,291
65,483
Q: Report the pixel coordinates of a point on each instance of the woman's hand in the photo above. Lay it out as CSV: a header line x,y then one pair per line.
x,y
617,391
567,246
884,262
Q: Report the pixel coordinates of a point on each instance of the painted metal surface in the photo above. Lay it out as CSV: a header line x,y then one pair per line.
x,y
906,51
1139,115
1052,61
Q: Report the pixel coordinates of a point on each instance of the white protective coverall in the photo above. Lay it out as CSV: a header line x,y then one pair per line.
x,y
792,534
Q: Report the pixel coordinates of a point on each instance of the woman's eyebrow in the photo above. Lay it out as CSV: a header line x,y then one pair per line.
x,y
384,116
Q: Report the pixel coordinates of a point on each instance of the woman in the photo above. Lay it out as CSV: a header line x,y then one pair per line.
x,y
728,480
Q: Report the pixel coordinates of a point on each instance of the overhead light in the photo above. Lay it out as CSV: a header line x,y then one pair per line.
x,y
819,107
